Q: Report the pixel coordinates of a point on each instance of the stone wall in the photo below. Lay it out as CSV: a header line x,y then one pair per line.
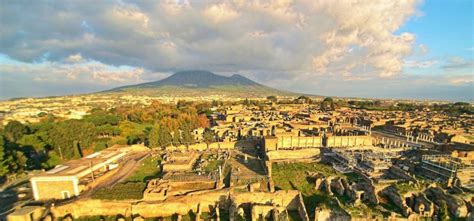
x,y
309,153
348,141
287,142
182,165
93,208
215,145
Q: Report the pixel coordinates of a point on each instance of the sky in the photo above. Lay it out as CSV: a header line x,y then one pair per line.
x,y
407,49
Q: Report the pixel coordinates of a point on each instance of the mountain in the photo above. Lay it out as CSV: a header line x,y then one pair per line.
x,y
196,82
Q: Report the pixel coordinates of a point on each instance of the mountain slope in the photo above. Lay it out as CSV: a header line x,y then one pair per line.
x,y
195,83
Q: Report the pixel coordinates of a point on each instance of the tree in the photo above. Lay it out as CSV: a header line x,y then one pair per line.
x,y
153,137
52,160
5,160
32,141
159,136
246,102
42,114
327,104
108,130
176,136
209,137
272,98
11,160
102,118
14,130
303,99
70,136
186,135
203,121
217,103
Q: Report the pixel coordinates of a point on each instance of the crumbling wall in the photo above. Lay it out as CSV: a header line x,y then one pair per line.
x,y
202,201
455,205
92,208
286,198
394,196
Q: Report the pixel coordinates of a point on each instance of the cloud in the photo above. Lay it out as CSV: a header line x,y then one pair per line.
x,y
220,13
74,58
304,45
458,63
315,37
423,49
368,25
419,64
91,72
436,86
461,80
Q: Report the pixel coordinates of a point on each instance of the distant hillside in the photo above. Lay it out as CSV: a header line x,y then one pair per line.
x,y
195,83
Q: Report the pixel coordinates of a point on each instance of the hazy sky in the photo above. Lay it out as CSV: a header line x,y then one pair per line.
x,y
360,48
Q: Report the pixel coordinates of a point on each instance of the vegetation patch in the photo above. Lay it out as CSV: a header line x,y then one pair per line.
x,y
405,187
121,191
294,176
213,165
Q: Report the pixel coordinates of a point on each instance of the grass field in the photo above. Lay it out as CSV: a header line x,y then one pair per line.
x,y
121,191
149,169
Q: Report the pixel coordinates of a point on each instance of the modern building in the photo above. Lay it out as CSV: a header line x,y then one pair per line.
x,y
70,179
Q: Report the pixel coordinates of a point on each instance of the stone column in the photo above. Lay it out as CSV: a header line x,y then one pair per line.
x,y
218,212
198,212
328,185
269,165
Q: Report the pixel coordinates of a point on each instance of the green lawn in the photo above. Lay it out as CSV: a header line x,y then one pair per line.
x,y
294,175
121,191
149,169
